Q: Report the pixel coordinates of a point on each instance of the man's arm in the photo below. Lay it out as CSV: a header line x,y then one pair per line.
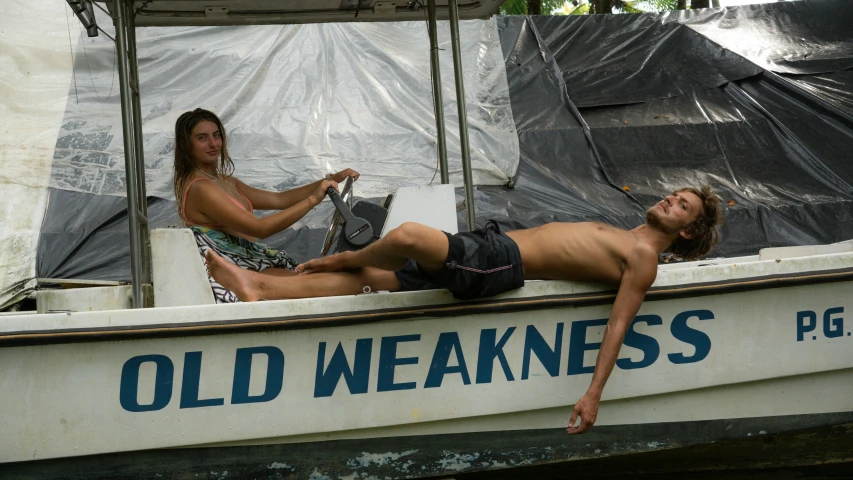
x,y
638,277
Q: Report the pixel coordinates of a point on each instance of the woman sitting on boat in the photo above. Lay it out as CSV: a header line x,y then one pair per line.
x,y
219,208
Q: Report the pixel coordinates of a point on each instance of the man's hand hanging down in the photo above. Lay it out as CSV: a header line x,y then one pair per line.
x,y
587,410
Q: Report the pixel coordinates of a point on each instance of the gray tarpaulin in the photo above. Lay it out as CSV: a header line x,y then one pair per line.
x,y
296,101
613,112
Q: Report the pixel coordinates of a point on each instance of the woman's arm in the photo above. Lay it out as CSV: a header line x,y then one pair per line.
x,y
210,200
267,200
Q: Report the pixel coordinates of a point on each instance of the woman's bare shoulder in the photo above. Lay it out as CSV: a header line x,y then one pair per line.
x,y
202,185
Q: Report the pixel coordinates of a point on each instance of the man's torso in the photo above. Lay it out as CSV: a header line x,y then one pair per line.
x,y
583,252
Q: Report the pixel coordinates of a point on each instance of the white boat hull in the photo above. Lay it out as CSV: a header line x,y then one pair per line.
x,y
283,374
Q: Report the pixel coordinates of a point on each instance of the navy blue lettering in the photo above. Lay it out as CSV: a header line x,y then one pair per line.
x,y
550,358
447,342
243,372
802,326
388,361
649,346
489,349
694,337
833,327
356,378
578,346
129,386
190,383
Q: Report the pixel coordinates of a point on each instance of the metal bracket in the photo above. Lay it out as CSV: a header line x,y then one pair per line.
x,y
216,12
385,8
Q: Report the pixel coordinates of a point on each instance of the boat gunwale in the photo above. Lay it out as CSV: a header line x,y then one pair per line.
x,y
327,320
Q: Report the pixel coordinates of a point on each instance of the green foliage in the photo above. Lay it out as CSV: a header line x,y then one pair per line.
x,y
519,7
514,7
581,7
643,6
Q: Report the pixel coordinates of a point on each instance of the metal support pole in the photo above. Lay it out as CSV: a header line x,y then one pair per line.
x,y
463,116
435,71
129,148
139,155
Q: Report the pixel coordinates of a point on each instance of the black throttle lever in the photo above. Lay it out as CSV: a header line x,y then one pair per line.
x,y
357,231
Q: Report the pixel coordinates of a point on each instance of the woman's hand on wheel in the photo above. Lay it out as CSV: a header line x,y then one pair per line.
x,y
343,174
320,193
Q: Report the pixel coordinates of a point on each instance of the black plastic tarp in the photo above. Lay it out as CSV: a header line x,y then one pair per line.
x,y
806,36
85,236
835,88
618,59
613,112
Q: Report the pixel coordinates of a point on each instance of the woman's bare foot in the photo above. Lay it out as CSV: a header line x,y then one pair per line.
x,y
332,263
232,277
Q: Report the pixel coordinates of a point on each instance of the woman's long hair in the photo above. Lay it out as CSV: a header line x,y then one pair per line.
x,y
184,162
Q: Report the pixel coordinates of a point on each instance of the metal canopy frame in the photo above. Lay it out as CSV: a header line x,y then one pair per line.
x,y
160,13
125,14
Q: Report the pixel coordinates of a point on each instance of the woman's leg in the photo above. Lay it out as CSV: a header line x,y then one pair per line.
x,y
250,286
277,272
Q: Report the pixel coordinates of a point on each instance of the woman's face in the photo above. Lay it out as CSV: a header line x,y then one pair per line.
x,y
206,143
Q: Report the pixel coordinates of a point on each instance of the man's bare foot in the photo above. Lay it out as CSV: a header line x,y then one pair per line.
x,y
232,277
332,263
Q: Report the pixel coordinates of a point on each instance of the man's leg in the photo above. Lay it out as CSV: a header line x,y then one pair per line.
x,y
250,286
425,245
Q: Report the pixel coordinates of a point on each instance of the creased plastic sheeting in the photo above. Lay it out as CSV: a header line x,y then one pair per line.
x,y
780,158
296,101
559,178
35,71
293,102
816,138
718,136
835,88
776,152
558,168
617,59
761,152
807,36
85,236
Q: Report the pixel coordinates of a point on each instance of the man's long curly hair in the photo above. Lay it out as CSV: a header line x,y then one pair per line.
x,y
704,230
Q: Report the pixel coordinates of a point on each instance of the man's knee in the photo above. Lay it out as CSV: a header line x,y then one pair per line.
x,y
406,235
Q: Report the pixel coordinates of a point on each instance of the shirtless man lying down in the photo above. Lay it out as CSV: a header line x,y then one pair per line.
x,y
486,263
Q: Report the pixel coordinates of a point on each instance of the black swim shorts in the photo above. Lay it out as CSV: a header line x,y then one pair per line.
x,y
479,264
